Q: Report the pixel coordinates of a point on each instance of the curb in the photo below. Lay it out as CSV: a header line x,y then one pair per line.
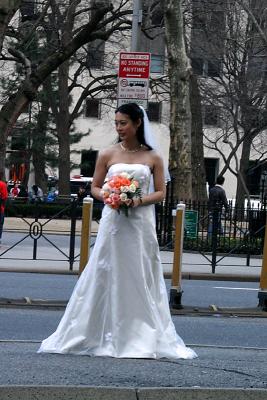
x,y
167,275
26,302
111,393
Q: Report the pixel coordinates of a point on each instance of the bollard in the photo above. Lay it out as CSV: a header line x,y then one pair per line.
x,y
86,231
176,289
262,294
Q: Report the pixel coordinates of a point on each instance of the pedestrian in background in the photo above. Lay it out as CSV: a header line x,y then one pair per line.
x,y
14,192
3,199
217,200
36,194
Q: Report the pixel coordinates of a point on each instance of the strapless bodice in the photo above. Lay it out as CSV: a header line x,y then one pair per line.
x,y
140,172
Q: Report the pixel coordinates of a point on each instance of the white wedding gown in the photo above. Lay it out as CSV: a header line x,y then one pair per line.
x,y
119,306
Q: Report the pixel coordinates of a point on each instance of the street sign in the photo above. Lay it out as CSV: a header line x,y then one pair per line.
x,y
191,219
133,78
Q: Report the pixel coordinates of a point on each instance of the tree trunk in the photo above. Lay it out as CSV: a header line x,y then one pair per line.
x,y
39,144
7,10
180,116
63,127
199,191
2,160
242,189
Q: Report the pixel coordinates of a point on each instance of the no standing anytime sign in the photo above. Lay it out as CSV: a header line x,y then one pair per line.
x,y
133,79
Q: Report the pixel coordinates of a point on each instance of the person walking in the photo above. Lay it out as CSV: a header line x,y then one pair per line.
x,y
217,200
3,199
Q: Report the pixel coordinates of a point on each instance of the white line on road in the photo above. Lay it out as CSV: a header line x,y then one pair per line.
x,y
233,288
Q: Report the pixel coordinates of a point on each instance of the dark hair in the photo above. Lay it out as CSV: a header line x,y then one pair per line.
x,y
135,113
220,180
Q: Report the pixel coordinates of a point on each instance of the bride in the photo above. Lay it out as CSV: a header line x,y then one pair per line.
x,y
119,306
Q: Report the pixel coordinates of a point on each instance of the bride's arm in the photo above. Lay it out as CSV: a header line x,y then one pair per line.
x,y
99,175
159,185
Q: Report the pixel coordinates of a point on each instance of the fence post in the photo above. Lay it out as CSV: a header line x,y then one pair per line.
x,y
262,294
176,289
86,231
216,225
73,216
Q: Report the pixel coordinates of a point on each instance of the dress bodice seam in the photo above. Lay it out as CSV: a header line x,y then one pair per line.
x,y
144,165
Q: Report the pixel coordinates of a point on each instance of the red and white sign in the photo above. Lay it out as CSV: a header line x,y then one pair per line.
x,y
133,79
134,65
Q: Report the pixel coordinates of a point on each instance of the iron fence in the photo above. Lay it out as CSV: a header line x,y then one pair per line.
x,y
239,231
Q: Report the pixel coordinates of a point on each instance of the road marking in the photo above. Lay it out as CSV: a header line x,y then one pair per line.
x,y
233,288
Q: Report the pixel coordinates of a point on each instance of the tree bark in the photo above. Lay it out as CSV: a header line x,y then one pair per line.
x,y
180,116
7,11
242,190
39,144
63,127
199,192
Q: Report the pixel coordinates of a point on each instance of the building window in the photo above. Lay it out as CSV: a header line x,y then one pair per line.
x,y
27,10
212,169
88,161
211,115
95,54
92,108
209,68
214,68
197,65
154,111
157,64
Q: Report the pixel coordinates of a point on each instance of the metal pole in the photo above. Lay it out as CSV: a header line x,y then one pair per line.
x,y
137,19
214,237
176,289
262,294
73,211
86,231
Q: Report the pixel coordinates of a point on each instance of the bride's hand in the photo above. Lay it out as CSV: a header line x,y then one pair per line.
x,y
136,201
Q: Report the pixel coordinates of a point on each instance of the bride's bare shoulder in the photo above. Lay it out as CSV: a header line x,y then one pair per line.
x,y
109,151
155,156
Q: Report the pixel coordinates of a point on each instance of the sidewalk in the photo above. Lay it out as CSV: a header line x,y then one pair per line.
x,y
194,265
26,375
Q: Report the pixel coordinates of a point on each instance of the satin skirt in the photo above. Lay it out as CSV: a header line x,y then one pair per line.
x,y
119,306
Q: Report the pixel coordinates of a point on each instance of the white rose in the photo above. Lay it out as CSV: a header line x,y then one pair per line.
x,y
125,175
105,187
123,196
132,188
124,189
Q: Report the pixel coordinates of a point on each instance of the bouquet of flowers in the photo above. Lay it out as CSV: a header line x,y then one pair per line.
x,y
119,191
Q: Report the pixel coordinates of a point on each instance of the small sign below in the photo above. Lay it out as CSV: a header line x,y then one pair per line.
x,y
190,224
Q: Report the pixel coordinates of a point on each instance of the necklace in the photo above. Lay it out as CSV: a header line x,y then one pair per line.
x,y
130,151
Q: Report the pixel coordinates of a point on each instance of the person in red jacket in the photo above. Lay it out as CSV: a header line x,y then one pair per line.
x,y
3,199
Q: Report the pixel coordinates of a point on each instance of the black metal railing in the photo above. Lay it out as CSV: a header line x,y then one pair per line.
x,y
239,231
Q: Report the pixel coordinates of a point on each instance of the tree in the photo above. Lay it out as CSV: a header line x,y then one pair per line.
x,y
102,23
7,10
180,115
235,56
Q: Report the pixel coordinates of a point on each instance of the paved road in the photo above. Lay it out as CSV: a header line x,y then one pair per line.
x,y
195,293
214,329
232,354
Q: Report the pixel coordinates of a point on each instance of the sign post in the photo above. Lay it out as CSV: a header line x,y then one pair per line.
x,y
133,78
